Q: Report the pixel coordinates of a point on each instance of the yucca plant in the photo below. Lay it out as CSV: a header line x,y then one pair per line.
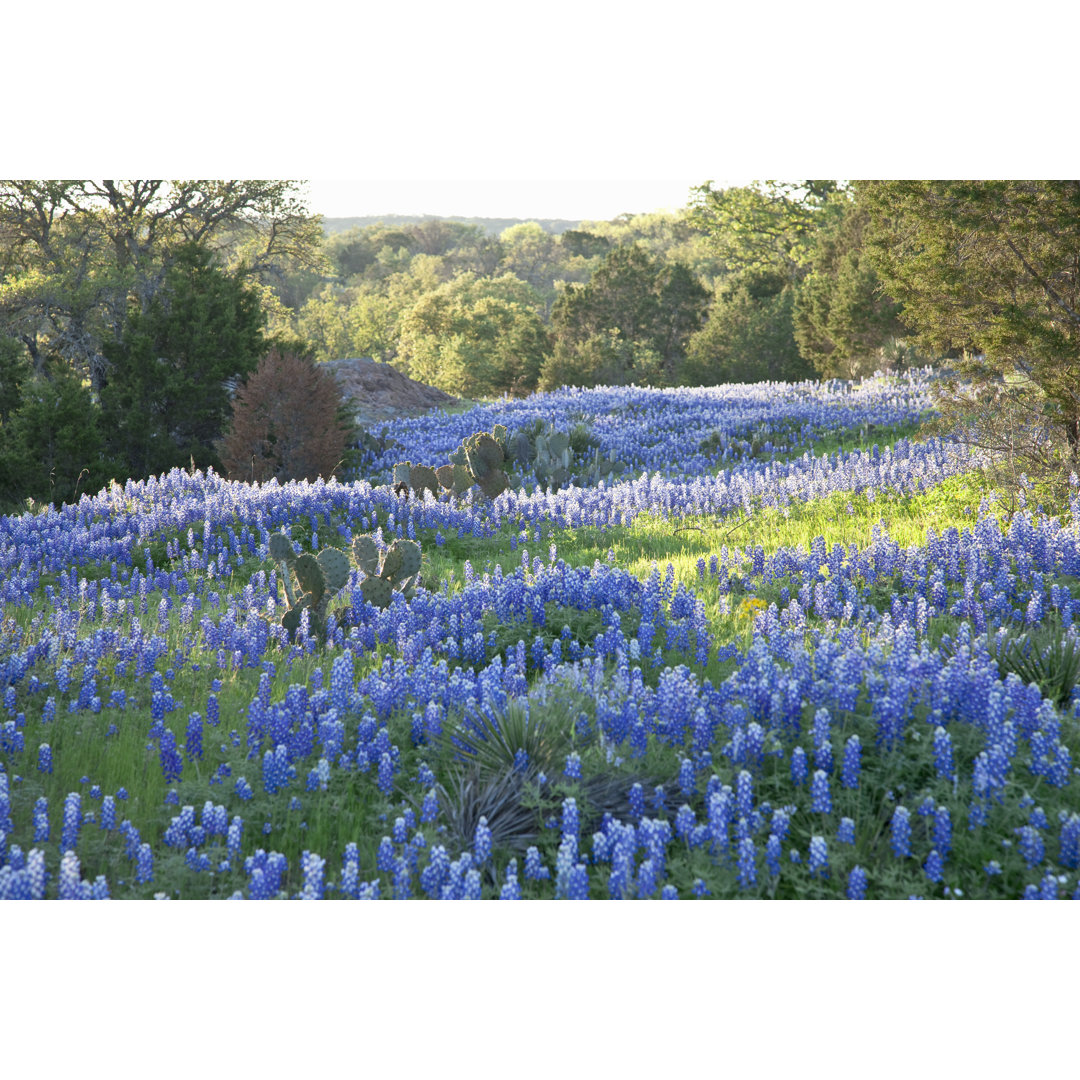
x,y
472,792
1047,655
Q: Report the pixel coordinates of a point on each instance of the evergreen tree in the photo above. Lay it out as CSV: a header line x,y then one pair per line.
x,y
989,270
165,397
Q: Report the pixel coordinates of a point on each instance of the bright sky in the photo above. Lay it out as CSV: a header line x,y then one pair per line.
x,y
583,199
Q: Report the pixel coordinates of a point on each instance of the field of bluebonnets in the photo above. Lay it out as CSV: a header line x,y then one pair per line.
x,y
791,648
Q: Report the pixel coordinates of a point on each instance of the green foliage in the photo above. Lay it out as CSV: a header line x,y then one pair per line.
x,y
843,323
630,322
51,445
165,401
15,371
475,336
749,335
78,253
1048,656
767,227
986,270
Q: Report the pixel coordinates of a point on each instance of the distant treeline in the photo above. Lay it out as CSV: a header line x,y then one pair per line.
x,y
128,309
491,226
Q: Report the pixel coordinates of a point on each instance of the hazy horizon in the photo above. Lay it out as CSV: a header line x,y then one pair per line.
x,y
571,200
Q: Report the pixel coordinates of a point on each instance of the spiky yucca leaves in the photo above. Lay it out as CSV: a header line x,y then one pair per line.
x,y
496,741
1048,655
471,793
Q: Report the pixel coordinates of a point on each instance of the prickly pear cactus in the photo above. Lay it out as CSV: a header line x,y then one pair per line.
x,y
281,549
422,478
455,478
335,568
366,554
398,571
377,591
309,576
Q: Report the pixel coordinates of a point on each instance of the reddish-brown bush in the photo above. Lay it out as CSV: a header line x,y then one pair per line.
x,y
285,423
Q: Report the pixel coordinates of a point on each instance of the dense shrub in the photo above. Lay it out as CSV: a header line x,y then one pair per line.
x,y
286,423
51,446
164,402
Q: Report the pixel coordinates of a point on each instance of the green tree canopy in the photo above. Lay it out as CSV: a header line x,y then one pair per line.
x,y
74,253
990,268
166,398
842,319
633,298
748,336
474,336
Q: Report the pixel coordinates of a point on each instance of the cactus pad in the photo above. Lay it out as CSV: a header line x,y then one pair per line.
x,y
410,557
557,443
281,548
309,575
401,472
366,554
335,568
455,478
421,478
495,483
377,591
392,561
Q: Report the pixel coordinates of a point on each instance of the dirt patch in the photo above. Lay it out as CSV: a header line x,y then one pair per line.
x,y
380,392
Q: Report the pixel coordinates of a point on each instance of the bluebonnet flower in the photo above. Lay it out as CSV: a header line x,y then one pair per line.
x,y
384,857
668,892
822,739
943,831
646,879
511,890
472,889
747,863
744,794
573,766
845,834
1048,887
1031,845
943,754
243,790
70,885
798,766
819,857
45,763
41,820
482,842
535,870
171,764
144,866
772,855
1069,840
933,867
69,836
386,775
577,887
820,797
992,868
901,832
571,824
313,868
856,887
851,764
684,822
193,744
687,779
700,889
636,798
